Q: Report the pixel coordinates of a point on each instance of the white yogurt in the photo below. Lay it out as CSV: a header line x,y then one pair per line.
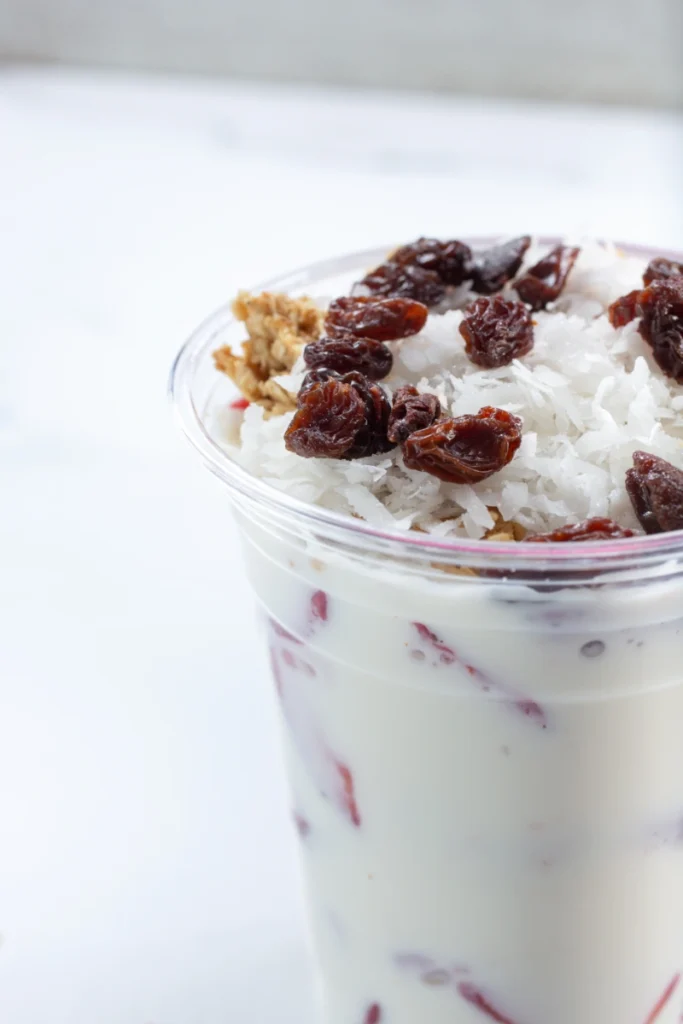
x,y
490,803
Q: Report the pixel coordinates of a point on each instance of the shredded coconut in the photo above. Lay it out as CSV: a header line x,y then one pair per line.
x,y
588,394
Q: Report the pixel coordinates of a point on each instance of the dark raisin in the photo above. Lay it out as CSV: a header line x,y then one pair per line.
x,y
660,269
411,411
496,331
317,377
339,418
544,282
466,449
450,260
494,267
625,309
655,488
379,319
369,357
409,282
660,306
590,529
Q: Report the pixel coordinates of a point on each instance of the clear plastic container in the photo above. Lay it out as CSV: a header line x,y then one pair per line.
x,y
486,770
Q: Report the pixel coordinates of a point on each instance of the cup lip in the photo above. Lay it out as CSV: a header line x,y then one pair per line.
x,y
608,555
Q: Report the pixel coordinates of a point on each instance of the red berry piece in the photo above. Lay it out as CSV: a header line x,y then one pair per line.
x,y
446,655
597,528
450,260
467,449
664,1000
496,331
303,826
331,776
240,404
660,269
373,1014
655,488
380,319
348,793
545,281
471,994
319,607
494,267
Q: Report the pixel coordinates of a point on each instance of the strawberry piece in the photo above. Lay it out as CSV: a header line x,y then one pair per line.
x,y
331,776
664,999
240,404
349,795
471,994
319,608
447,656
303,826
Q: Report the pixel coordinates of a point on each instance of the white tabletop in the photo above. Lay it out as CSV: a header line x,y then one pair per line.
x,y
147,865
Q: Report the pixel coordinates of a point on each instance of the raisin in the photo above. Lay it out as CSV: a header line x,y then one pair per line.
x,y
339,418
544,282
655,488
369,357
494,267
466,449
597,528
660,306
409,282
450,260
496,331
379,319
411,411
625,309
660,269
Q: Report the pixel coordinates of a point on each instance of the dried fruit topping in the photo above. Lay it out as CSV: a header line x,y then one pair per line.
x,y
410,282
544,282
655,488
373,1014
661,308
411,411
598,528
660,269
450,260
474,997
493,268
339,418
379,319
625,309
369,357
466,449
496,331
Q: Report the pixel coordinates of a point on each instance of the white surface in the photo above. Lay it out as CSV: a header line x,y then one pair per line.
x,y
620,51
146,867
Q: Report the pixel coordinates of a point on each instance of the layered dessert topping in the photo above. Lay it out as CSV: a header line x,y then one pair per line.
x,y
539,385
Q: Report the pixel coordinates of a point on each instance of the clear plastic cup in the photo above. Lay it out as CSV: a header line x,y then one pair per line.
x,y
486,769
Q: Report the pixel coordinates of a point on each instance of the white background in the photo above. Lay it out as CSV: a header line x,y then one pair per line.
x,y
624,51
147,871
